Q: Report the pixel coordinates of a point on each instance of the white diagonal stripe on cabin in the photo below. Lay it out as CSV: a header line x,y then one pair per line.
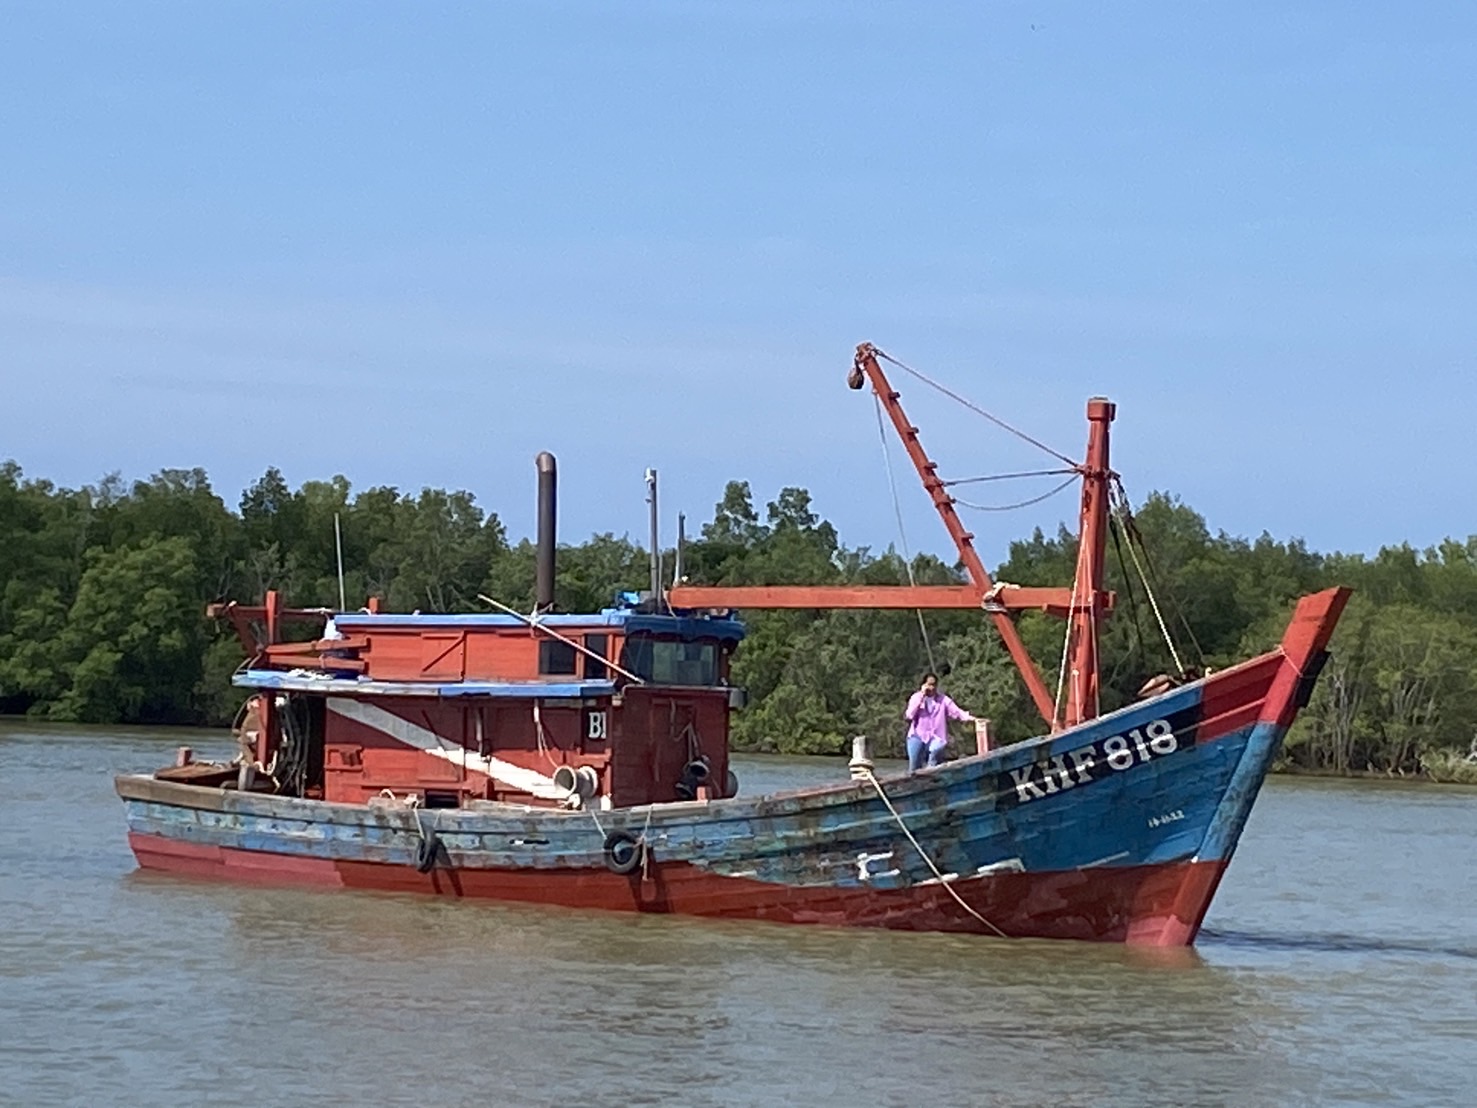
x,y
411,734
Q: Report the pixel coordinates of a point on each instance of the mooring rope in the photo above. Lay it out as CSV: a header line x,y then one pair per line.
x,y
541,737
411,801
948,888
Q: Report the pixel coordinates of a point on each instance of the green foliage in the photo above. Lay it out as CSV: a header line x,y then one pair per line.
x,y
102,590
1450,767
438,551
133,636
589,576
1399,690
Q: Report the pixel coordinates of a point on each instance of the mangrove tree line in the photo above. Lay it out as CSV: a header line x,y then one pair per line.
x,y
102,591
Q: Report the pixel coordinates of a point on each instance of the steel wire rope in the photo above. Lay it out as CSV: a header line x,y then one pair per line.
x,y
1114,529
1097,685
1075,470
1021,504
1121,509
1006,476
1179,614
1134,535
1061,678
977,409
897,510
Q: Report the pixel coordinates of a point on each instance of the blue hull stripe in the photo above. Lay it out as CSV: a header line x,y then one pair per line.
x,y
1131,789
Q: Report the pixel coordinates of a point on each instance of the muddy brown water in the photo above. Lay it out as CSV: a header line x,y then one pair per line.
x,y
1338,965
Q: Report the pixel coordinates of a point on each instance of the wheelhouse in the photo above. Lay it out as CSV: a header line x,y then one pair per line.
x,y
613,709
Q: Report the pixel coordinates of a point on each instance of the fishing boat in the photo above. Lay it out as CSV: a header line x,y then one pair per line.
x,y
582,760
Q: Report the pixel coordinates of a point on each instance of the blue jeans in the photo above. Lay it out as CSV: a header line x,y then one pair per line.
x,y
918,749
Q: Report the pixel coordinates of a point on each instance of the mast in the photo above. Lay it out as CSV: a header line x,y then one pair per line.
x,y
1083,606
1087,611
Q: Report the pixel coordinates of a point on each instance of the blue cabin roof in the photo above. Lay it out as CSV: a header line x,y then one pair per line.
x,y
350,685
685,627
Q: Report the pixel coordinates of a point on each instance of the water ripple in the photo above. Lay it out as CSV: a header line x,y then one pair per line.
x,y
1332,942
120,987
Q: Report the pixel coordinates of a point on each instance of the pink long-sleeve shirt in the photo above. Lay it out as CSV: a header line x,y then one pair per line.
x,y
928,717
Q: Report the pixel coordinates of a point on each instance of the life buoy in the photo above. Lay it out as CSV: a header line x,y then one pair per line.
x,y
623,852
427,852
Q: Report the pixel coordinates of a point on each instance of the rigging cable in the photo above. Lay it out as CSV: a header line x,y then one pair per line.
x,y
1119,506
977,409
1153,573
1006,476
1097,660
1061,678
1072,480
897,509
1114,529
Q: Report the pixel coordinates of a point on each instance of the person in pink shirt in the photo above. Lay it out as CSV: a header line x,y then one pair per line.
x,y
928,715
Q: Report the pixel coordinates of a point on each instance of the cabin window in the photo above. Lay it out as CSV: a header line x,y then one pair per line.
x,y
595,668
555,657
671,662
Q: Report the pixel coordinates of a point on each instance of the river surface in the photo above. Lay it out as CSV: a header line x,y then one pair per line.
x,y
1338,966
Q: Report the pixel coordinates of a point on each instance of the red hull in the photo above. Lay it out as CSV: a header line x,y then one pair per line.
x,y
1143,905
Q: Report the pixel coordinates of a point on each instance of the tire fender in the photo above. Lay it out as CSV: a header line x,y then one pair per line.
x,y
427,852
624,852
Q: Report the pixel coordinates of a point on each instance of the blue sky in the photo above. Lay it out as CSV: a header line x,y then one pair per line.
x,y
416,244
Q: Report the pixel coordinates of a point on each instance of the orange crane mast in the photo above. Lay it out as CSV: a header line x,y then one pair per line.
x,y
1084,605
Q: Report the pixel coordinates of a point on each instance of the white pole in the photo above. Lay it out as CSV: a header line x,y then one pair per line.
x,y
338,543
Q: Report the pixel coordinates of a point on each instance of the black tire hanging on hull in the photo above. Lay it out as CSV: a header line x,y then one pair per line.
x,y
427,852
623,853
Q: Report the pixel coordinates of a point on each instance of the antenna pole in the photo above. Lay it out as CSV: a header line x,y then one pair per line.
x,y
656,550
338,544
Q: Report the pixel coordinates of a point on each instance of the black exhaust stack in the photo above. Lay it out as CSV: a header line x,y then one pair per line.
x,y
547,482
